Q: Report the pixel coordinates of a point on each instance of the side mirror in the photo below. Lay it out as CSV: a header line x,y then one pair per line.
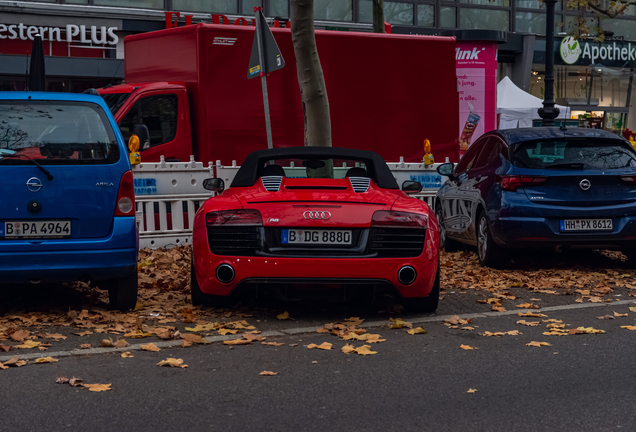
x,y
446,169
411,187
214,184
142,132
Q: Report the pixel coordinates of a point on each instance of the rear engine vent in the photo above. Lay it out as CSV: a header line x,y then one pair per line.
x,y
272,183
360,184
397,242
236,241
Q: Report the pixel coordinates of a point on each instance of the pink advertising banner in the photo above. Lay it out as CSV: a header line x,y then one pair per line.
x,y
477,82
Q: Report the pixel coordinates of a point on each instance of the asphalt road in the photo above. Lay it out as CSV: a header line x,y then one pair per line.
x,y
415,382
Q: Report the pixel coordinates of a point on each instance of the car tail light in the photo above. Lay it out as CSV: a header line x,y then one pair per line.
x,y
385,218
512,183
234,217
126,196
630,180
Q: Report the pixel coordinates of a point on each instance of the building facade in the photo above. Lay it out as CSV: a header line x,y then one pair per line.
x,y
84,39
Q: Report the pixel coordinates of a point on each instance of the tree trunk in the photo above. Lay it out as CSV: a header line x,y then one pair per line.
x,y
310,77
378,16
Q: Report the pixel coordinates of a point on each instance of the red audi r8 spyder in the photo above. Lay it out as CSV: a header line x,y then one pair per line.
x,y
315,223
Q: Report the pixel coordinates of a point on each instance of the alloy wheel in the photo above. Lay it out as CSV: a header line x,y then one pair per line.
x,y
482,238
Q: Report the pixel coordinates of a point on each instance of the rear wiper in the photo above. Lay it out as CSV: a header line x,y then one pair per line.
x,y
567,165
37,164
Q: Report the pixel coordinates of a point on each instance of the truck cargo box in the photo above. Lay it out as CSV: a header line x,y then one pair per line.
x,y
387,93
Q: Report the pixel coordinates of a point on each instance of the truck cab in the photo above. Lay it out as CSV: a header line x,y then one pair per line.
x,y
158,113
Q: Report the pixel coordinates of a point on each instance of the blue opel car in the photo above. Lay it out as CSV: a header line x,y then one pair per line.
x,y
540,187
67,204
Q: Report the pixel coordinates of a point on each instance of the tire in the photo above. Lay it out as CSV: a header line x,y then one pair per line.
x,y
489,253
199,298
122,292
445,243
426,304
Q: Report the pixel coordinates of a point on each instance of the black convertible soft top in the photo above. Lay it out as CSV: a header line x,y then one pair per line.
x,y
378,170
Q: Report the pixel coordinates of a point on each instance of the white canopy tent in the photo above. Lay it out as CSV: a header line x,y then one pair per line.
x,y
517,108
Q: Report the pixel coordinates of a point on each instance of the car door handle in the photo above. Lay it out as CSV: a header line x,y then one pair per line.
x,y
478,177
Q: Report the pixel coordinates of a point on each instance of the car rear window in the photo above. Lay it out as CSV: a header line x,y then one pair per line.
x,y
574,154
56,133
316,168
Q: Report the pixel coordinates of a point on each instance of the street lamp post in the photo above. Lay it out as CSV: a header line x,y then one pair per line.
x,y
549,112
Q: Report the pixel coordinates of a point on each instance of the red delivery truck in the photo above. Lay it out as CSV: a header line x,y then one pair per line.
x,y
189,87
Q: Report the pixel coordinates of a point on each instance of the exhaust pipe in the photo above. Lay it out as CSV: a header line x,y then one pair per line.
x,y
224,273
406,275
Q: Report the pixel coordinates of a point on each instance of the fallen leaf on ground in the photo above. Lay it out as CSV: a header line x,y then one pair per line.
x,y
121,343
616,314
555,326
374,338
629,327
150,347
224,332
365,350
538,344
272,343
138,334
418,330
467,347
237,342
508,333
253,336
172,362
606,317
456,320
107,343
590,330
283,316
323,346
20,335
15,361
468,328
531,314
126,354
268,373
28,345
529,323
498,308
552,320
633,309
396,323
56,336
195,338
97,387
45,360
472,390
84,333
86,346
528,306
348,348
203,327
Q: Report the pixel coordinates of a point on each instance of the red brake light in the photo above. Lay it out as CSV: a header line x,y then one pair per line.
x,y
398,219
234,217
512,183
126,196
630,180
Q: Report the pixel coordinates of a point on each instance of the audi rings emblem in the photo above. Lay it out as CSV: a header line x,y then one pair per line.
x,y
316,215
585,184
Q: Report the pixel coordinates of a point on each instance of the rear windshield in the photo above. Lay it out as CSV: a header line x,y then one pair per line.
x,y
315,168
574,154
55,133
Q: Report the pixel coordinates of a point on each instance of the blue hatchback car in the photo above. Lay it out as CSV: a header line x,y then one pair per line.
x,y
540,187
67,204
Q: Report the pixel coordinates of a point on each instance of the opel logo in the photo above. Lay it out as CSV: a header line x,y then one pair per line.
x,y
34,184
585,184
316,215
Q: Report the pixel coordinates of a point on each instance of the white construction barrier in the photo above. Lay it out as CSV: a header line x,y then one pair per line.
x,y
163,187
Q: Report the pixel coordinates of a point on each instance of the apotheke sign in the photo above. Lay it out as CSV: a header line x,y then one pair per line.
x,y
72,33
572,51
